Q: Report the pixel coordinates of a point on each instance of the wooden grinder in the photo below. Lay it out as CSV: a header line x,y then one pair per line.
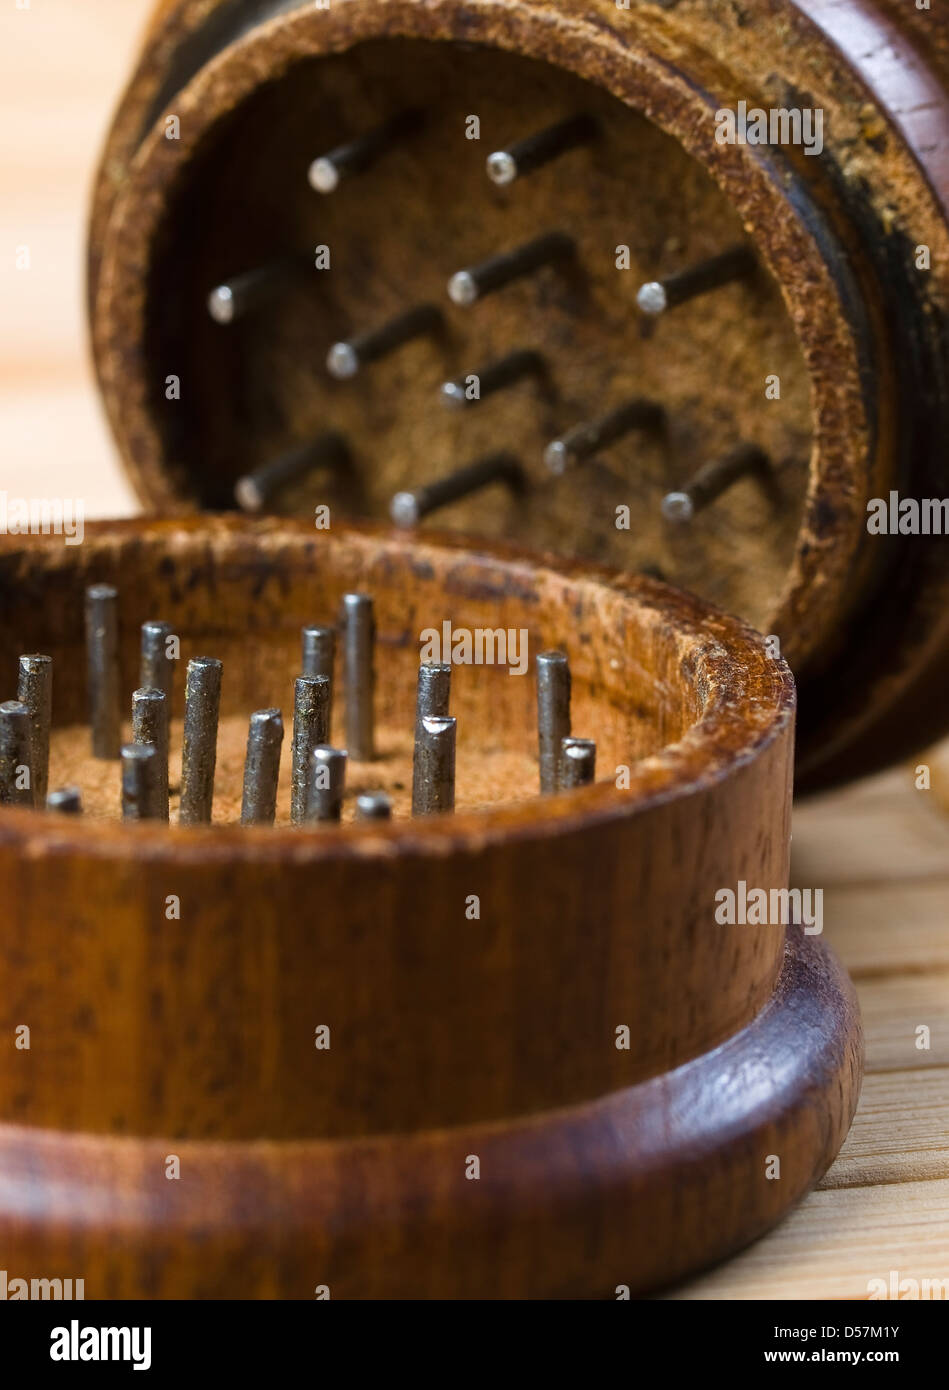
x,y
504,1053
551,1069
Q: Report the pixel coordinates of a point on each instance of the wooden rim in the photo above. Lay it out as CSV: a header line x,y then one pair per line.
x,y
641,1168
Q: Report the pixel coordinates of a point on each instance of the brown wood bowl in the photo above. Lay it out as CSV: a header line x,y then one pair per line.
x,y
838,309
452,1039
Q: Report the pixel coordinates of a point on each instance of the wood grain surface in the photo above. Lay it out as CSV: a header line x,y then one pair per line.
x,y
880,848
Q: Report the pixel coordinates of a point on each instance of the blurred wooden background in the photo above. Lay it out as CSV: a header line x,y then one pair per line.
x,y
879,850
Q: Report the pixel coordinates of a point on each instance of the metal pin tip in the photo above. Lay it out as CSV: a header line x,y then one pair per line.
x,y
138,752
333,758
342,361
148,694
65,799
221,305
14,707
355,602
578,749
463,289
323,176
556,456
579,763
502,168
373,806
453,395
438,724
652,298
403,509
248,495
33,661
100,592
262,717
677,506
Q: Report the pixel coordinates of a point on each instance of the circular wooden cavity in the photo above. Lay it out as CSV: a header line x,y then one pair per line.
x,y
194,966
836,308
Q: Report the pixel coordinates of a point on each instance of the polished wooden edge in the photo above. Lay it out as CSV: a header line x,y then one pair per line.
x,y
670,1175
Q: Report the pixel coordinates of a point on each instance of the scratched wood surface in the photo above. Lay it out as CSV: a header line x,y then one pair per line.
x,y
880,850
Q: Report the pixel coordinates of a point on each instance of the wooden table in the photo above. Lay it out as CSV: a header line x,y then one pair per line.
x,y
879,850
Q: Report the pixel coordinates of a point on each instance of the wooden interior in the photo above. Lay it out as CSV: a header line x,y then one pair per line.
x,y
260,386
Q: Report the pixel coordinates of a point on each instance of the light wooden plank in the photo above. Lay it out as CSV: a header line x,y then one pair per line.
x,y
835,1242
889,929
901,1130
879,831
893,1009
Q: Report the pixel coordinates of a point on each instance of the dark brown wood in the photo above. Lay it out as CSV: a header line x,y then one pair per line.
x,y
839,310
153,1034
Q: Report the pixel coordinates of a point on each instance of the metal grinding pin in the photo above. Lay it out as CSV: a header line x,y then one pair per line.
x,y
262,767
346,359
255,490
432,702
553,717
656,296
199,749
588,438
102,655
157,669
242,294
578,762
373,806
35,690
326,172
433,781
467,286
319,651
66,800
150,726
506,166
16,775
408,508
712,480
311,711
141,782
326,784
319,659
506,371
359,640
434,690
